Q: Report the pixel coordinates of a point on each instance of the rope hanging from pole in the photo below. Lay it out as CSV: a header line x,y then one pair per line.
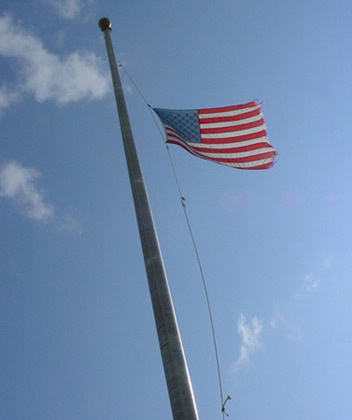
x,y
183,203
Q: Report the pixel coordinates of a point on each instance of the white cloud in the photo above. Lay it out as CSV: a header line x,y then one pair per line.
x,y
67,9
250,334
7,97
19,184
47,76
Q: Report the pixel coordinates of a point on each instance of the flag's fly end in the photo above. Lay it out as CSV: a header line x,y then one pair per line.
x,y
104,23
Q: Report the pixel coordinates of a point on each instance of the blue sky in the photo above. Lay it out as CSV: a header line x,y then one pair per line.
x,y
78,339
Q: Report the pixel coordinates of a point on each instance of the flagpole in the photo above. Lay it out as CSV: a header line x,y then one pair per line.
x,y
178,381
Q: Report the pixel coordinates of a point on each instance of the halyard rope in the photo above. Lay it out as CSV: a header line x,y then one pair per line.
x,y
183,203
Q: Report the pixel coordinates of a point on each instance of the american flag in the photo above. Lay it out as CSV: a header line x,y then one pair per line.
x,y
231,135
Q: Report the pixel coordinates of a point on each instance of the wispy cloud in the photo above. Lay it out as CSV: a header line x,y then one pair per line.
x,y
47,76
7,97
250,335
67,9
67,224
313,279
19,184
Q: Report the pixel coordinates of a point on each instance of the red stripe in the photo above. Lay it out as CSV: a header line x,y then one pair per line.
x,y
235,139
188,149
232,128
233,149
232,118
174,134
264,166
226,108
247,158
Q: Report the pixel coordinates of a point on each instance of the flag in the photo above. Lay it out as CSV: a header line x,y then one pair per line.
x,y
231,135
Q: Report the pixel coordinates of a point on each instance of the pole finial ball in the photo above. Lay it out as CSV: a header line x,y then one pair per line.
x,y
104,23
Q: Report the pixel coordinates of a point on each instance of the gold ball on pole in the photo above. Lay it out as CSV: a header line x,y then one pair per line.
x,y
104,23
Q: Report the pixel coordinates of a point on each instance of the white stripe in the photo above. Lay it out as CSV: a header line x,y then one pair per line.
x,y
229,145
234,133
214,146
248,164
239,154
229,113
231,123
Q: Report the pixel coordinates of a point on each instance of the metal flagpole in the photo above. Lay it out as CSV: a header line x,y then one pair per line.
x,y
179,385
